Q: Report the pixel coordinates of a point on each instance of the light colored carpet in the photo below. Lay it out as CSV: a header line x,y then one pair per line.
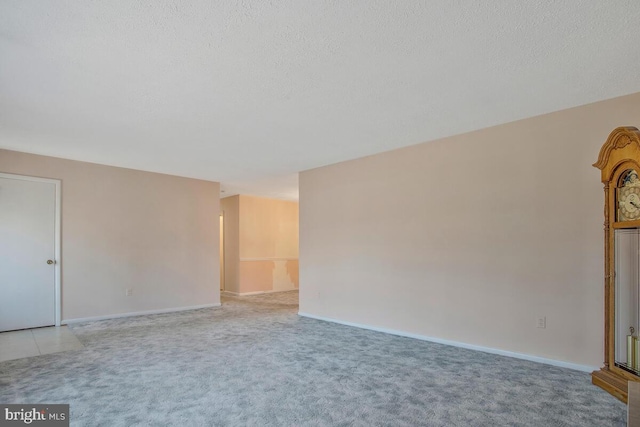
x,y
254,362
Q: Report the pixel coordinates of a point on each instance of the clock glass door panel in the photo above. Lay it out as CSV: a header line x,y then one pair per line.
x,y
628,196
627,313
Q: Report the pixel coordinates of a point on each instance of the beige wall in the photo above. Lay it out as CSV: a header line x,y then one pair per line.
x,y
469,238
121,228
264,255
268,228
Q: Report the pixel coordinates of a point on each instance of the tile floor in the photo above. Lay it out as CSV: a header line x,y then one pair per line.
x,y
34,342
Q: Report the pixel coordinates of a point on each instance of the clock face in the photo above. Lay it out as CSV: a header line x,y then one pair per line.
x,y
629,204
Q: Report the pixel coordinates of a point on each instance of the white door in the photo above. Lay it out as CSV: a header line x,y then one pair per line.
x,y
27,243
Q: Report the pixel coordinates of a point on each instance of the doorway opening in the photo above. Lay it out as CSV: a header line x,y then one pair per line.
x,y
260,239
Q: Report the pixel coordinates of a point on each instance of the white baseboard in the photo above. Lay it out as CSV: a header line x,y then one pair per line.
x,y
523,356
244,294
137,313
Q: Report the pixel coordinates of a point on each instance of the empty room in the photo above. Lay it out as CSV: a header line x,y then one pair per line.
x,y
359,213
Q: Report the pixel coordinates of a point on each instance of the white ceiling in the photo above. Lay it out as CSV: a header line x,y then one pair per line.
x,y
251,92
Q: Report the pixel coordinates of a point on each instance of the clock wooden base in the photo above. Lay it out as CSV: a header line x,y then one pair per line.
x,y
611,382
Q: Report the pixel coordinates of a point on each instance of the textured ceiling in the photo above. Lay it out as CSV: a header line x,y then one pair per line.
x,y
250,92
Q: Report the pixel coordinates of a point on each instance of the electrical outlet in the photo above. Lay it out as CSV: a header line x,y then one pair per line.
x,y
541,322
129,292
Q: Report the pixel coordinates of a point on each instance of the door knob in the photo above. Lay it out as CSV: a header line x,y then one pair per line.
x,y
50,261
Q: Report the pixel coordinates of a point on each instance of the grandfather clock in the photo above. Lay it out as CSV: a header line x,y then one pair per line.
x,y
619,162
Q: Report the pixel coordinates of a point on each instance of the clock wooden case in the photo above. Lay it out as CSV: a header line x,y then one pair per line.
x,y
619,163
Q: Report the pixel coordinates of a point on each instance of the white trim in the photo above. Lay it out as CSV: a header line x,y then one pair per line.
x,y
560,363
223,273
244,294
57,252
137,313
229,294
269,259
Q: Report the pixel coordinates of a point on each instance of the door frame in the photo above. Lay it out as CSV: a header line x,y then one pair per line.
x,y
222,252
57,237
